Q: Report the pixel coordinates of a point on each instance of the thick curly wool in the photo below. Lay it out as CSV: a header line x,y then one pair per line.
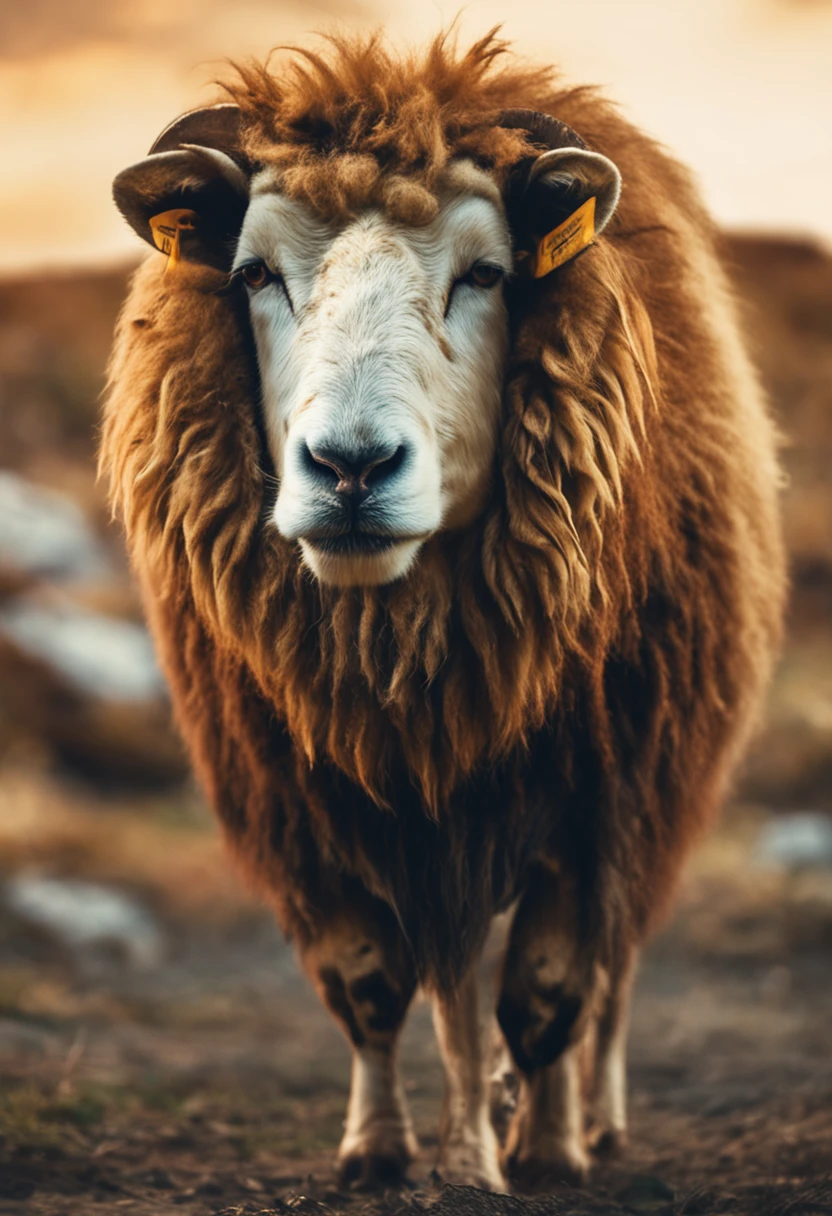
x,y
359,127
576,672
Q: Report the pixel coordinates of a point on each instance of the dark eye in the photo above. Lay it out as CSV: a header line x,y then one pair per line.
x,y
256,275
483,274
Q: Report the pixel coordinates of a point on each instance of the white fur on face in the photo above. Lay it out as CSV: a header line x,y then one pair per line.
x,y
371,349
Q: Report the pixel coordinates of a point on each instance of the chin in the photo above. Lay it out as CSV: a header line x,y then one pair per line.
x,y
357,569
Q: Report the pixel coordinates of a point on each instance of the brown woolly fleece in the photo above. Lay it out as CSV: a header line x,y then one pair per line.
x,y
575,674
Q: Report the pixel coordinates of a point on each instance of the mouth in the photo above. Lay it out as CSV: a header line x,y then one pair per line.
x,y
356,543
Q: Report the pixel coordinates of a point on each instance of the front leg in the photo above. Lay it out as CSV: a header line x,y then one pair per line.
x,y
545,1141
544,1011
468,1146
609,1106
378,1142
362,970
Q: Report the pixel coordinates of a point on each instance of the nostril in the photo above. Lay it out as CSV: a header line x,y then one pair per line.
x,y
310,464
323,462
382,469
354,472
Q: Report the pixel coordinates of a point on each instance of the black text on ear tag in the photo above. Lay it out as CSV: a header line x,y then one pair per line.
x,y
566,241
166,228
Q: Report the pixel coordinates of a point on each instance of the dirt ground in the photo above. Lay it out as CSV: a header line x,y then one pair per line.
x,y
212,1081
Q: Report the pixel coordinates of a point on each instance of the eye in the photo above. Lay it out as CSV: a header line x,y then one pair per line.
x,y
483,274
256,275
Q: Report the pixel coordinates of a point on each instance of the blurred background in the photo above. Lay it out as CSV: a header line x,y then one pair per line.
x,y
156,1043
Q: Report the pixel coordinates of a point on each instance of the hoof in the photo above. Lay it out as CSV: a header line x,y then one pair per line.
x,y
542,1175
482,1180
373,1171
609,1144
470,1156
478,1167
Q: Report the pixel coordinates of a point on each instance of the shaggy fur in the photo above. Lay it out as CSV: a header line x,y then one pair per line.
x,y
573,675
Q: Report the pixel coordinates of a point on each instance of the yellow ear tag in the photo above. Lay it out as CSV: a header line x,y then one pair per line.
x,y
568,239
166,228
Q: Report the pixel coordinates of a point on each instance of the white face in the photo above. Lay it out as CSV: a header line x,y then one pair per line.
x,y
381,350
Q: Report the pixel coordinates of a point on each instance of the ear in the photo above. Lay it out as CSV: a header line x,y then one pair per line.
x,y
562,180
189,196
553,217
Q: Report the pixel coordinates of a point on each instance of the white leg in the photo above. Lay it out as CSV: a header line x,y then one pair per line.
x,y
545,1012
378,1134
546,1138
364,975
468,1147
610,1108
610,1098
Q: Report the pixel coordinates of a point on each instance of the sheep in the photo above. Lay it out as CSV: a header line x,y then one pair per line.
x,y
453,498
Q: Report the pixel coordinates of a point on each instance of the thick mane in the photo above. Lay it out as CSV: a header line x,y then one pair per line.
x,y
460,661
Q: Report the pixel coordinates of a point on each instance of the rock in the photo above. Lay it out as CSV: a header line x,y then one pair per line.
x,y
87,917
96,655
86,686
46,534
801,839
80,684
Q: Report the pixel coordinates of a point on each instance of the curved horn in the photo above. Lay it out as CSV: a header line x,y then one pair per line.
x,y
543,128
198,166
210,127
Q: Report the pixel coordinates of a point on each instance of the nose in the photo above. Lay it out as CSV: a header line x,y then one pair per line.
x,y
354,473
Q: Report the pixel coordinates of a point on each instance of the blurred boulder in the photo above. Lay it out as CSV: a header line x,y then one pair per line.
x,y
801,839
82,684
45,534
109,722
93,921
95,655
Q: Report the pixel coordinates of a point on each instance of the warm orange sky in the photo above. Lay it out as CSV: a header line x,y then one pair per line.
x,y
741,89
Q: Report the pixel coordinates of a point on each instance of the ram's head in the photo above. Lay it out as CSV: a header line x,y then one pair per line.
x,y
382,328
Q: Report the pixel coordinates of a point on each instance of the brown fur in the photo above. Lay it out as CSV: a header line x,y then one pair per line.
x,y
574,674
